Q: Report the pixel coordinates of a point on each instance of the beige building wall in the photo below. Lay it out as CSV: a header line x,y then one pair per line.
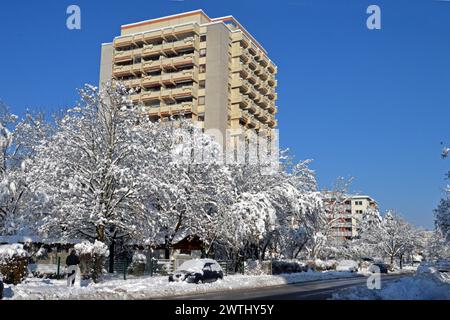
x,y
217,78
106,64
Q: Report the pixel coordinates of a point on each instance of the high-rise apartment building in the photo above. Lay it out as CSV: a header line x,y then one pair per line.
x,y
211,70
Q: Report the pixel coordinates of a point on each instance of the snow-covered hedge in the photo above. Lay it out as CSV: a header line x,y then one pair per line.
x,y
10,251
93,257
288,266
13,263
256,267
323,265
137,266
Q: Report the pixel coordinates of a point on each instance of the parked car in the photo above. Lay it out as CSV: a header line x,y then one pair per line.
x,y
378,267
1,286
197,271
347,265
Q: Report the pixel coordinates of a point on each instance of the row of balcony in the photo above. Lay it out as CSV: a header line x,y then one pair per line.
x,y
156,65
253,49
157,35
255,122
166,78
250,96
165,94
157,49
260,71
265,87
165,110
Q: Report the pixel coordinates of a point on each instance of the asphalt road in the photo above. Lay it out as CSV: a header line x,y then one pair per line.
x,y
311,290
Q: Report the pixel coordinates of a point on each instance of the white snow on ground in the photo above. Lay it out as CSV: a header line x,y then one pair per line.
x,y
153,287
426,284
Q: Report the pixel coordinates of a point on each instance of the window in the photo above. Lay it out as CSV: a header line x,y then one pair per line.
x,y
203,38
202,84
202,68
201,101
202,52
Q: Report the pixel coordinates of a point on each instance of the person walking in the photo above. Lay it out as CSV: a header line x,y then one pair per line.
x,y
72,263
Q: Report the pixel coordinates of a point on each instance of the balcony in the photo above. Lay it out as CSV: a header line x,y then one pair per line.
x,y
175,77
187,28
186,59
151,49
150,95
272,82
151,66
263,89
133,83
264,102
120,56
135,98
150,81
185,91
242,38
151,36
271,108
253,49
123,42
174,47
264,61
272,68
120,71
252,93
272,95
272,122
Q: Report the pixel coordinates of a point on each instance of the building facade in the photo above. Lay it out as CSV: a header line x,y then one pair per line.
x,y
346,214
211,70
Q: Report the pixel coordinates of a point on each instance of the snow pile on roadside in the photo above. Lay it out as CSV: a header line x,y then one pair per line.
x,y
154,287
425,285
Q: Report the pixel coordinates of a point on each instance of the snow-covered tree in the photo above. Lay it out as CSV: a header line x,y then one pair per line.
x,y
442,212
392,237
88,176
18,142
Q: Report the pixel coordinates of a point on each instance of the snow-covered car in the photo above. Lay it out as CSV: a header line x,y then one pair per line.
x,y
378,267
347,265
442,265
1,286
197,271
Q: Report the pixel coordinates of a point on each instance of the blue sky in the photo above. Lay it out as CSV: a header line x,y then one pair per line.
x,y
373,105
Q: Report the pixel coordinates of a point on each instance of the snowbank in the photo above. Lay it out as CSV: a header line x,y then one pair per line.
x,y
427,284
153,287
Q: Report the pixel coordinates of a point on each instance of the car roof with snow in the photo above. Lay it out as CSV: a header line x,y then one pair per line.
x,y
196,265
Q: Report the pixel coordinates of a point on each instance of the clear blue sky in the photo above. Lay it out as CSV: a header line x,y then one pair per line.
x,y
369,104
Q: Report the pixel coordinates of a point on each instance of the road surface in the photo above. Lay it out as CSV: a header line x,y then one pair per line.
x,y
311,290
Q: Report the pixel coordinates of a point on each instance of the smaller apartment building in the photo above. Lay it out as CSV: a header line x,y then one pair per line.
x,y
347,214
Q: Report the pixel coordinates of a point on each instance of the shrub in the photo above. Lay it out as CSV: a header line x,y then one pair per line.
x,y
13,263
256,267
92,258
283,266
138,263
321,265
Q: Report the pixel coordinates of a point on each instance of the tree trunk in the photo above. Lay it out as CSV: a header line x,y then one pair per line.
x,y
111,255
401,261
167,248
